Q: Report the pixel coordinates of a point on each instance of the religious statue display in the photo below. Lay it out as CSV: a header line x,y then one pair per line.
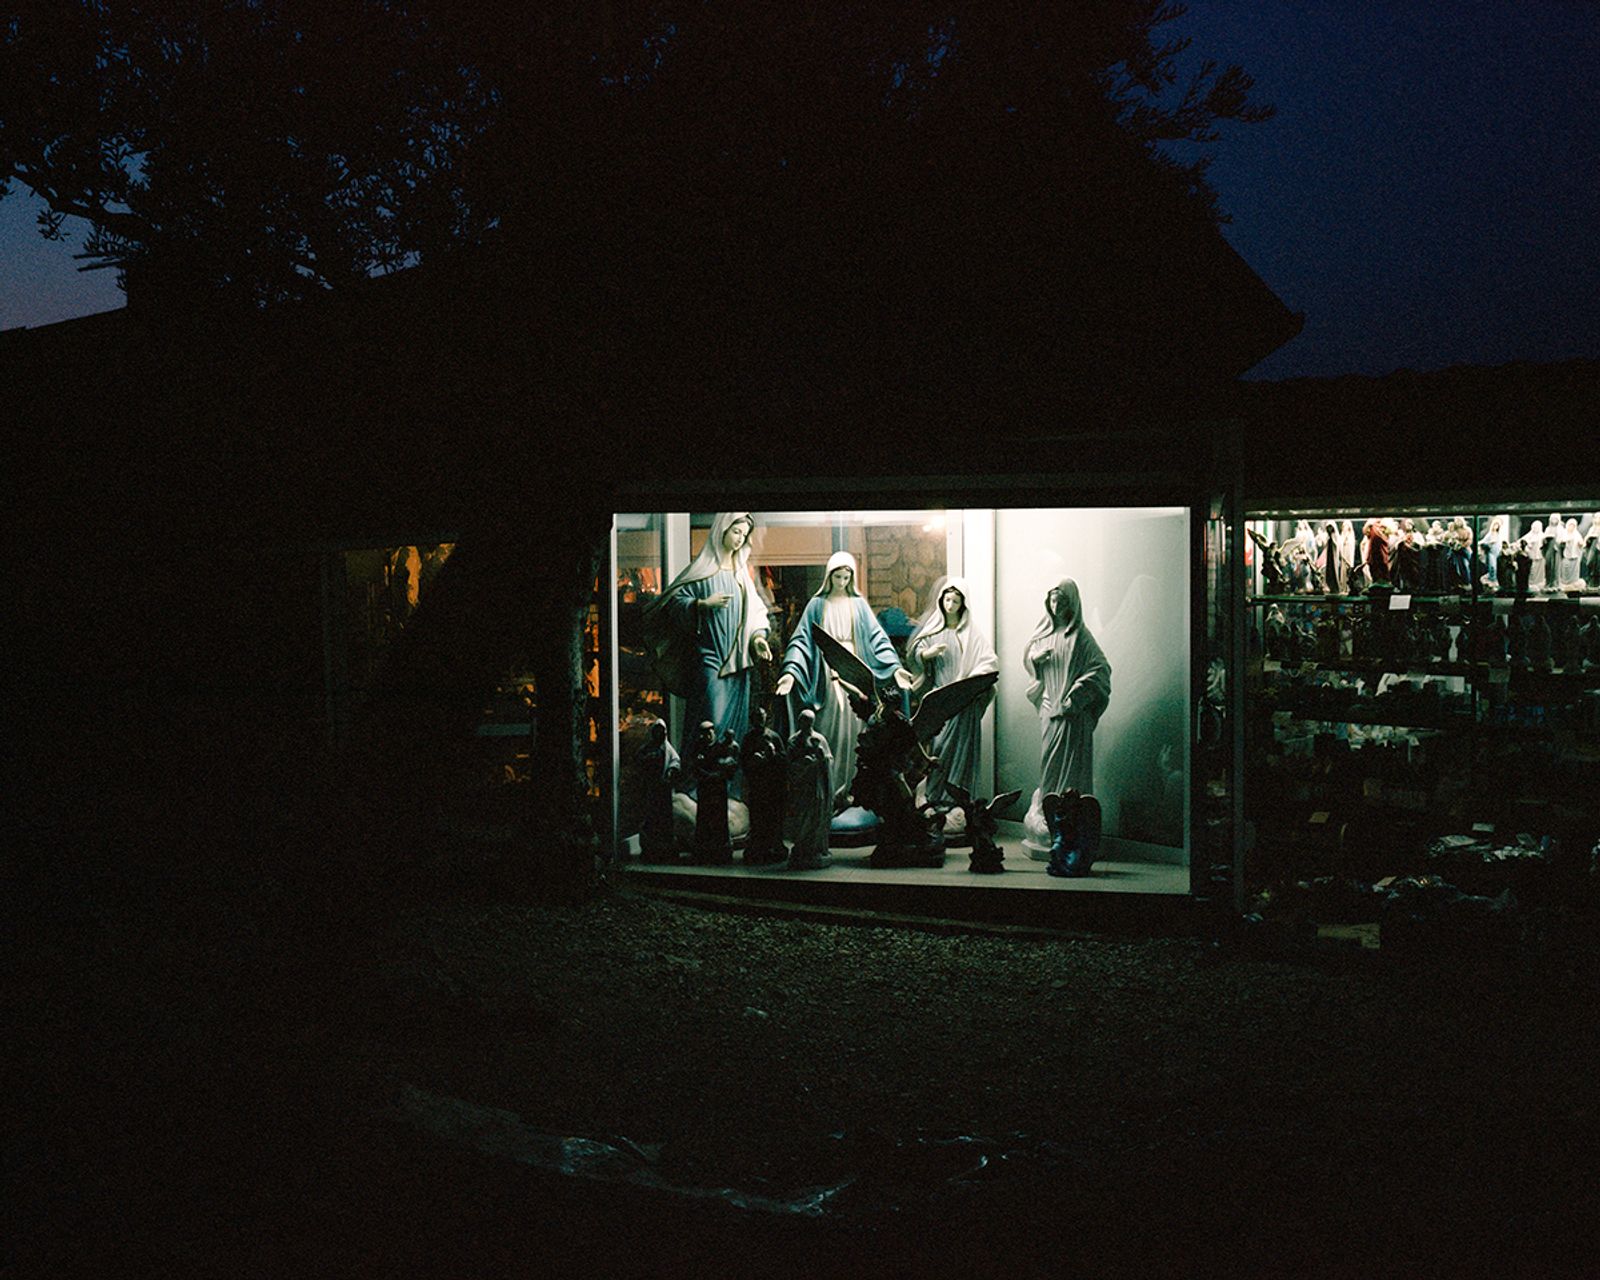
x,y
839,611
707,630
765,762
947,647
1070,685
808,802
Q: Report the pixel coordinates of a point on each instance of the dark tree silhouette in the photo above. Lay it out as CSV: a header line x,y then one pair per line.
x,y
261,150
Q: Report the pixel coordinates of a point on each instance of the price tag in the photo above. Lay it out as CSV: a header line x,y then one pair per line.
x,y
1399,602
1319,817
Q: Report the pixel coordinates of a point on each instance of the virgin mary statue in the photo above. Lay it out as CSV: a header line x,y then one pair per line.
x,y
1071,687
705,631
948,647
839,609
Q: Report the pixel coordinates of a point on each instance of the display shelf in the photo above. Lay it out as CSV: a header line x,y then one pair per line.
x,y
1502,729
1455,600
1366,666
1391,719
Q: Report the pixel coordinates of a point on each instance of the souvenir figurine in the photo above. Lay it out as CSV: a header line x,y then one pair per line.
x,y
982,823
706,631
1274,569
1074,823
1380,534
1433,558
1406,564
1347,557
1571,555
765,765
713,763
659,767
1552,552
1533,543
1330,559
1589,566
808,805
1491,542
1458,556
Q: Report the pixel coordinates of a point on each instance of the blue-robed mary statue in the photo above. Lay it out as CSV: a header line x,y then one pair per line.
x,y
840,610
707,629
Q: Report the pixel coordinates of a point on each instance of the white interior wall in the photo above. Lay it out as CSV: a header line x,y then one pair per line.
x,y
1131,566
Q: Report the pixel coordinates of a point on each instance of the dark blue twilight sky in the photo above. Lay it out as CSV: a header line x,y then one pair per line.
x,y
1428,193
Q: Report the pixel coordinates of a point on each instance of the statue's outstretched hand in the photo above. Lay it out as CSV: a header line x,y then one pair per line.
x,y
903,678
785,683
716,600
760,647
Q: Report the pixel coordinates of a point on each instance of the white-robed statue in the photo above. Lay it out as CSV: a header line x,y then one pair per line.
x,y
840,610
948,647
1071,687
707,629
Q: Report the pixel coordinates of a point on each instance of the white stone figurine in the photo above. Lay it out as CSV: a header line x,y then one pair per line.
x,y
1071,687
947,647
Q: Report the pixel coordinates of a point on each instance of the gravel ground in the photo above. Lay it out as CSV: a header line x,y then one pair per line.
x,y
204,1087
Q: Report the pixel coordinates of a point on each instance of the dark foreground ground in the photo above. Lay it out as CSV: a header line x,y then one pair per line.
x,y
209,1076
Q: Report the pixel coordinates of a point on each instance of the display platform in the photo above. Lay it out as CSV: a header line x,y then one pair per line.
x,y
1120,893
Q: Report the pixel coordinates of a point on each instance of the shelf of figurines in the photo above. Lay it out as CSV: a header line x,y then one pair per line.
x,y
1398,601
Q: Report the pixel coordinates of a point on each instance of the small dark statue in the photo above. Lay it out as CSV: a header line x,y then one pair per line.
x,y
983,821
714,761
1274,569
660,769
765,764
1074,822
892,756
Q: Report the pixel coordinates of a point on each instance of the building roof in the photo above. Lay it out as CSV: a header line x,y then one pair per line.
x,y
655,337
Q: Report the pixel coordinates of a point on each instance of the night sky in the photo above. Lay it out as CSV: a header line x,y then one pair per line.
x,y
1428,193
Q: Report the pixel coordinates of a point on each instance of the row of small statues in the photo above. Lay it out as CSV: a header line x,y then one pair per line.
x,y
788,795
1408,557
1529,639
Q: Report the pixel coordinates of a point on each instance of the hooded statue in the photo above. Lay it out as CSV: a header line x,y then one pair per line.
x,y
947,653
1071,687
808,681
705,631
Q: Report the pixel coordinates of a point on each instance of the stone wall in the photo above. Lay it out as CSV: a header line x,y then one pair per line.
x,y
903,564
